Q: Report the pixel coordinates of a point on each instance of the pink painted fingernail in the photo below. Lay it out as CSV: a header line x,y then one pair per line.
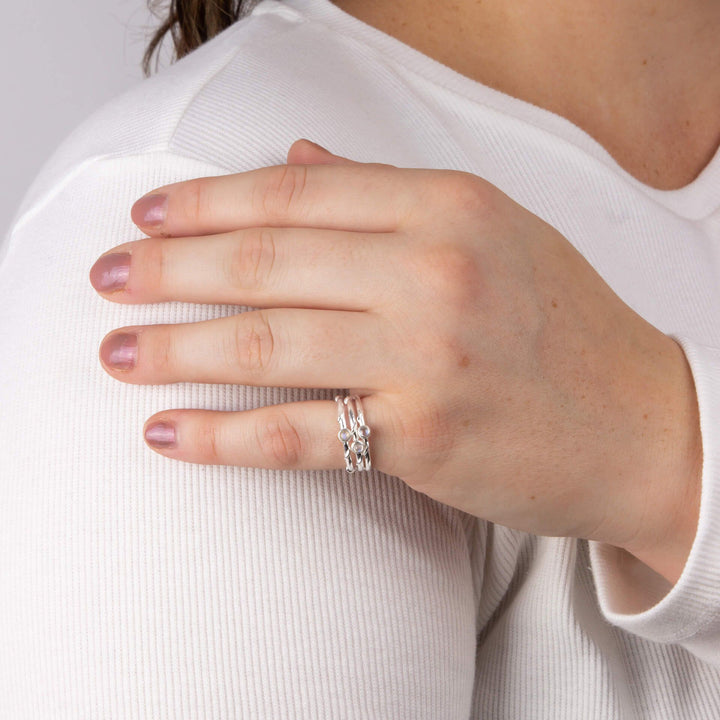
x,y
110,272
119,351
161,435
150,210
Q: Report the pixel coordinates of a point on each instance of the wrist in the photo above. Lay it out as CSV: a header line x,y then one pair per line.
x,y
668,510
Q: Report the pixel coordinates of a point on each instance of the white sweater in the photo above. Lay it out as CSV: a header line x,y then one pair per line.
x,y
133,586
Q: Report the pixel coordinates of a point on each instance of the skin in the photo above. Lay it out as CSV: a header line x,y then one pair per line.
x,y
542,395
640,77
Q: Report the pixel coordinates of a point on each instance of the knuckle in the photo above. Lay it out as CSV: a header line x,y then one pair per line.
x,y
253,343
464,192
453,273
161,358
251,264
196,200
209,442
153,263
284,191
280,441
425,435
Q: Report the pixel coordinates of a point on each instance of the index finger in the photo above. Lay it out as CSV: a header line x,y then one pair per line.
x,y
365,197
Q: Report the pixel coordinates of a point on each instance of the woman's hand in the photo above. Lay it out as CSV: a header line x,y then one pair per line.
x,y
499,372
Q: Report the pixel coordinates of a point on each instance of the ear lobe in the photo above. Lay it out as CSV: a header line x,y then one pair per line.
x,y
306,152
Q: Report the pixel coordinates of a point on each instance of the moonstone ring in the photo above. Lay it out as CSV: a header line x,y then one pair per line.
x,y
354,434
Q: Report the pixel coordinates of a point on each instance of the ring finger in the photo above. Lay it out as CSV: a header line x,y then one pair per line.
x,y
275,347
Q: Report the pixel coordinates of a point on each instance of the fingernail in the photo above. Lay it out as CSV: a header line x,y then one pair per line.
x,y
150,210
119,351
110,272
161,435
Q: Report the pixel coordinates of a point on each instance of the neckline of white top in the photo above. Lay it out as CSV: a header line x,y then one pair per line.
x,y
696,200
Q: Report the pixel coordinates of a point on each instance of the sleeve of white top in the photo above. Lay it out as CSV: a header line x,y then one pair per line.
x,y
631,595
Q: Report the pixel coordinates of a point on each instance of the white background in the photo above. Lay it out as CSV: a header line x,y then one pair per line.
x,y
60,60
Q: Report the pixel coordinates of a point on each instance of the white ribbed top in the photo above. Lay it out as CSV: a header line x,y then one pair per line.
x,y
133,586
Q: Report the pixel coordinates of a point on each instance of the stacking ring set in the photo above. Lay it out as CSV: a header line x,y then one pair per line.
x,y
354,434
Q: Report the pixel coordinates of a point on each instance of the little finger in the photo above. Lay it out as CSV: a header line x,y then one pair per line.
x,y
300,435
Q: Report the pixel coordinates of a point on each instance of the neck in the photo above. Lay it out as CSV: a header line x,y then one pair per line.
x,y
640,76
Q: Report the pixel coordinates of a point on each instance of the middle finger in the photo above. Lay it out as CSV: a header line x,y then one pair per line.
x,y
276,347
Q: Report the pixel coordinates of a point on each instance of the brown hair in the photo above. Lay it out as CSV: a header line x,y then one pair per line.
x,y
191,23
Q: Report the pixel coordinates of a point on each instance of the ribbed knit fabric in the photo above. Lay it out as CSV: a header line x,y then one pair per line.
x,y
133,586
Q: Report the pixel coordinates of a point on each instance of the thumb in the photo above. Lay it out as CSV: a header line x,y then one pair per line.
x,y
305,152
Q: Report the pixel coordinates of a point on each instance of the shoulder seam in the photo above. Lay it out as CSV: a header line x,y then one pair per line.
x,y
71,174
208,80
162,144
67,178
197,92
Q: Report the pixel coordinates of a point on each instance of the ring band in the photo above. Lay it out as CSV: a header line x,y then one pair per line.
x,y
344,434
354,433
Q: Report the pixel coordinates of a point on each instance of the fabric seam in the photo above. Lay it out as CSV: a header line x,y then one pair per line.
x,y
77,170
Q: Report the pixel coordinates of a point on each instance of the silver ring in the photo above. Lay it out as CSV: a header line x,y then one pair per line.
x,y
354,433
